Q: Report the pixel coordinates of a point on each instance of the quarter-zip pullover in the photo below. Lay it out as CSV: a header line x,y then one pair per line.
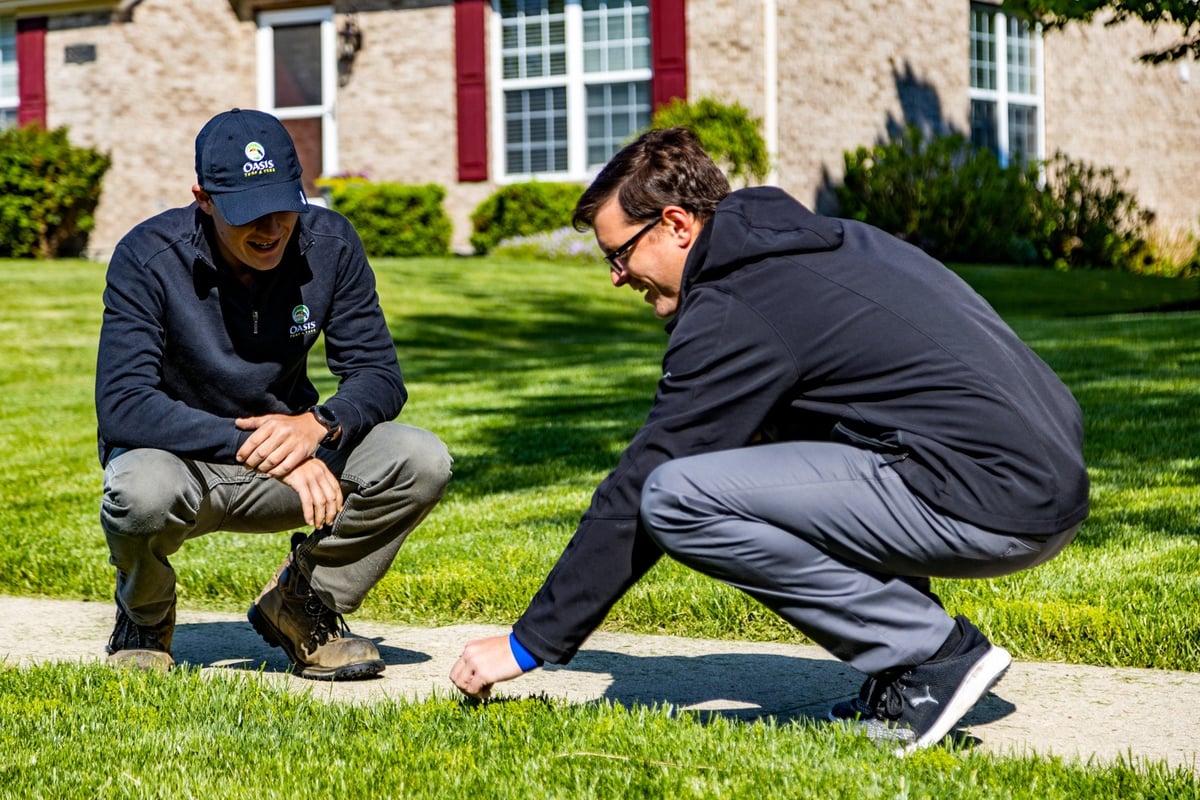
x,y
186,347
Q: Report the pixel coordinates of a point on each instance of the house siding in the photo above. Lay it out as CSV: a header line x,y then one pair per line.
x,y
848,72
1107,108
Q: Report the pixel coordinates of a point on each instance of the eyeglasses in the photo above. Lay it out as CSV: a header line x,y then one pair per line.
x,y
614,259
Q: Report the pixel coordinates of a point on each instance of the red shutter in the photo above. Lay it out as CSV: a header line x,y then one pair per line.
x,y
31,70
471,80
668,37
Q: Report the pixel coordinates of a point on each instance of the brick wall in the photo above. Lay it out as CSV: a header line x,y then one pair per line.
x,y
152,86
1105,107
848,72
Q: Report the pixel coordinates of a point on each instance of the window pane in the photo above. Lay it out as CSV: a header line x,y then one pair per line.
x,y
614,113
306,135
533,38
983,50
616,35
1022,75
1022,132
8,63
535,125
984,133
297,65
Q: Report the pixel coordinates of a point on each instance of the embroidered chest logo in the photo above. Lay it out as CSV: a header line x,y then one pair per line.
x,y
300,316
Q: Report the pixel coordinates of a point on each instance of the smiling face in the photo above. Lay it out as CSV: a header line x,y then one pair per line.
x,y
653,264
259,245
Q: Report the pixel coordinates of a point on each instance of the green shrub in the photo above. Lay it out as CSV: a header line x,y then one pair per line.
x,y
521,209
48,192
396,220
944,195
727,133
1083,218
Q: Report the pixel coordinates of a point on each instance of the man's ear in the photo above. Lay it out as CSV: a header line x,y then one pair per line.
x,y
683,224
203,199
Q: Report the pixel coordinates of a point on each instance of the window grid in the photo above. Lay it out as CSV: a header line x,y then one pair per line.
x,y
1005,86
1022,69
983,51
9,95
535,123
616,35
576,82
533,39
616,111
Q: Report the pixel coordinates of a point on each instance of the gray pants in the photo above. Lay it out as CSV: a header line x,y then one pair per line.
x,y
830,538
155,501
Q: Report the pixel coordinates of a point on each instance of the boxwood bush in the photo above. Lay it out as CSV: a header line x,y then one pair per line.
x,y
521,209
48,192
395,219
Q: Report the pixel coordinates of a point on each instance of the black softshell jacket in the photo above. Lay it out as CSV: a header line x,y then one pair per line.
x,y
793,325
185,348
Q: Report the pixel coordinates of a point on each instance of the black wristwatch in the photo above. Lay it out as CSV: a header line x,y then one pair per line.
x,y
326,417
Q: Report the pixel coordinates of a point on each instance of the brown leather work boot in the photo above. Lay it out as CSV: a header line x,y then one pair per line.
x,y
289,614
141,646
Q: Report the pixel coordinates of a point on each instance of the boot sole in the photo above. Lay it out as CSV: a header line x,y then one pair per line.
x,y
275,638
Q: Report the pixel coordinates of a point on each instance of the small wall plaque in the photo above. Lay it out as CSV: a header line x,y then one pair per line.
x,y
79,53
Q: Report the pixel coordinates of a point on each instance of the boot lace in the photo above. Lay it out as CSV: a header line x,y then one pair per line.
x,y
128,635
327,623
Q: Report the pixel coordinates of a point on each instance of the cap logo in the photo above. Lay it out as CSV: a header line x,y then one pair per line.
x,y
257,165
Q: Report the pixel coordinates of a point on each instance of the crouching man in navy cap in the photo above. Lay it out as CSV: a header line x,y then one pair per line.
x,y
208,420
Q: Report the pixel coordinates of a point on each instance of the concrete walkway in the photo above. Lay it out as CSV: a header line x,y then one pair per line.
x,y
1068,710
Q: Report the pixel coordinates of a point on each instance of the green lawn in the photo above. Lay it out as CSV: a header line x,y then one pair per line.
x,y
536,374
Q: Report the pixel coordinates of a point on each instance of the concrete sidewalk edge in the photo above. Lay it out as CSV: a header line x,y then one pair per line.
x,y
1073,711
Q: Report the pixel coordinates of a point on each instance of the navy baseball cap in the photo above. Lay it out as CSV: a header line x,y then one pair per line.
x,y
247,163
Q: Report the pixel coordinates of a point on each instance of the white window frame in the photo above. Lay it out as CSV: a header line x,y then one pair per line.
x,y
326,111
1002,96
8,47
575,81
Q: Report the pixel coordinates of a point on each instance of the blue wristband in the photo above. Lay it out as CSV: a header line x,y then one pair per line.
x,y
525,659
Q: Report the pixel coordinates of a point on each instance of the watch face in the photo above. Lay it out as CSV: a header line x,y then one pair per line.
x,y
325,416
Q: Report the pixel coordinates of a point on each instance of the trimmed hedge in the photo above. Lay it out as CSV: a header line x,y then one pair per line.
x,y
521,209
394,219
49,190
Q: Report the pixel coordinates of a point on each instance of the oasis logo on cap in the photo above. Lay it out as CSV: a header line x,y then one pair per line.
x,y
255,152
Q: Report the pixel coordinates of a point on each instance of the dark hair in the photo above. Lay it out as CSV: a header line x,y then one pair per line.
x,y
665,167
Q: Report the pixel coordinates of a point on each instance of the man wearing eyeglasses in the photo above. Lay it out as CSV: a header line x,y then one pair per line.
x,y
840,419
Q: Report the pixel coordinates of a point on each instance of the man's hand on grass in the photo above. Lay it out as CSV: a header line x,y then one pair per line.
x,y
483,663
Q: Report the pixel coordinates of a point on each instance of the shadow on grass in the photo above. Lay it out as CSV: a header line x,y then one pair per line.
x,y
559,396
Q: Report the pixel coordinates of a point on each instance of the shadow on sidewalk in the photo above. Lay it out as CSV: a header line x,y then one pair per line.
x,y
744,686
236,645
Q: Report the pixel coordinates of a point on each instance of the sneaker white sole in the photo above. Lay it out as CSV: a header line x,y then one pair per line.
x,y
984,674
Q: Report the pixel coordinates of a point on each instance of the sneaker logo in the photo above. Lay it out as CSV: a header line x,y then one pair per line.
x,y
927,698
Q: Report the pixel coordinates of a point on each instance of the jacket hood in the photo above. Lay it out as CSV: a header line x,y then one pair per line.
x,y
751,224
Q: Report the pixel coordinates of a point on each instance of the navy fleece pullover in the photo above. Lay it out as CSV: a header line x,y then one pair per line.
x,y
185,347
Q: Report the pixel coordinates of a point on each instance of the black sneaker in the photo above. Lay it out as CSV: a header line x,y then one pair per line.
x,y
917,708
141,646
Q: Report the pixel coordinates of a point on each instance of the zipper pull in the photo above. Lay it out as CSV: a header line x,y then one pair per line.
x,y
254,319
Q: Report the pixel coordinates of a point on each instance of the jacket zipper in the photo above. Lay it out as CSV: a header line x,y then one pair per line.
x,y
254,321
